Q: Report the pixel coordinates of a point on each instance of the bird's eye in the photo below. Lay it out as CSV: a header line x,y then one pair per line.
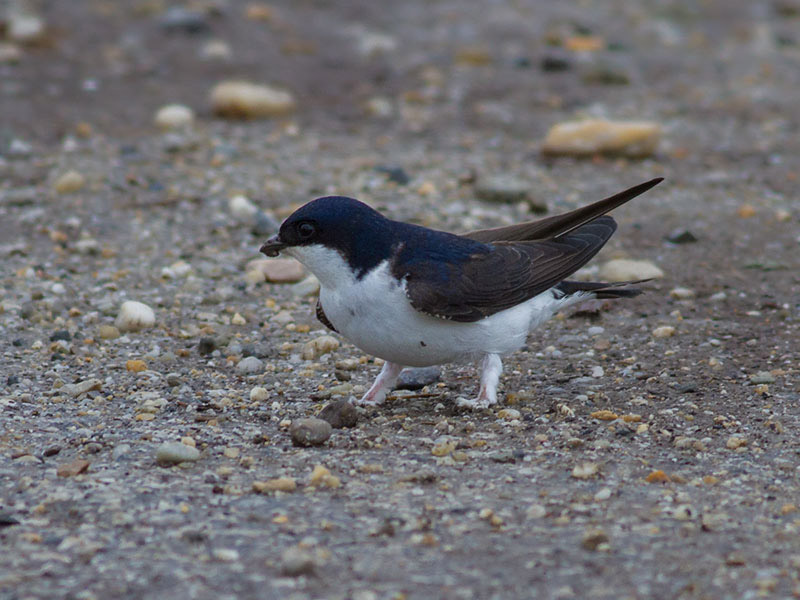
x,y
306,230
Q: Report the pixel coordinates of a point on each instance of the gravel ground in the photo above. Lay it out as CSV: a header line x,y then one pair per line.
x,y
618,464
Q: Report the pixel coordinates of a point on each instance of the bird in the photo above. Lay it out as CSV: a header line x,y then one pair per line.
x,y
418,297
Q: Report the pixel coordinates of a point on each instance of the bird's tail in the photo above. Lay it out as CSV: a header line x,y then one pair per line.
x,y
601,290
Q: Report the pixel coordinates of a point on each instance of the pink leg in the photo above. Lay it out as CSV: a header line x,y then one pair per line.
x,y
383,384
491,367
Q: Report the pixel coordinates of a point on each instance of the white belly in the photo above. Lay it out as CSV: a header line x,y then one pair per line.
x,y
374,314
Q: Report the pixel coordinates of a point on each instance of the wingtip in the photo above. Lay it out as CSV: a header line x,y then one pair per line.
x,y
654,182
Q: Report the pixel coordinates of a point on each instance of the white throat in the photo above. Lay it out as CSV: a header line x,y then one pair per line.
x,y
326,264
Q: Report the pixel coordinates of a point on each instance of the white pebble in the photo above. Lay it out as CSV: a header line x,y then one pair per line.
x,y
216,50
308,287
175,452
226,554
250,365
242,209
597,372
596,330
603,494
623,269
24,28
682,293
174,116
259,394
134,316
664,331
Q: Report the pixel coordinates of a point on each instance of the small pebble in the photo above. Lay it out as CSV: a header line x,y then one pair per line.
x,y
242,209
226,554
604,415
395,174
23,27
319,346
417,378
735,442
682,293
71,469
216,50
277,270
340,414
206,345
762,377
183,20
308,287
259,394
664,331
264,224
9,53
310,432
174,116
279,484
69,182
297,561
108,332
135,366
593,539
250,365
585,470
244,100
508,414
82,387
623,269
502,189
594,136
134,316
170,453
536,511
681,236
322,477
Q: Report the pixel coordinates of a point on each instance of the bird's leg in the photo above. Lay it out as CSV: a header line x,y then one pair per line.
x,y
491,367
383,384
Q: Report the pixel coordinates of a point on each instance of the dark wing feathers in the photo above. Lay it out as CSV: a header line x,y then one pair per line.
x,y
559,225
602,291
511,273
323,318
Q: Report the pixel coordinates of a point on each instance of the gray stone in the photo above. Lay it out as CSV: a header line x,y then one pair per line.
x,y
310,432
339,413
250,365
502,188
418,378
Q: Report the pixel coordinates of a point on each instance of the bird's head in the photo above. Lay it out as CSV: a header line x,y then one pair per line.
x,y
334,225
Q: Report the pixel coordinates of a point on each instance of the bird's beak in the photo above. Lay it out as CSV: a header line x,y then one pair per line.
x,y
273,246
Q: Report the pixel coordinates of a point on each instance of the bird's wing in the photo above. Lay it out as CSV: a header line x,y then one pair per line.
x,y
559,225
509,274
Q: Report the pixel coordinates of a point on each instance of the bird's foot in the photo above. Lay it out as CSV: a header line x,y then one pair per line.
x,y
479,403
492,366
383,385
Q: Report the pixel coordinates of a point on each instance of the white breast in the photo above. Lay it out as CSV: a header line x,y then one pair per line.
x,y
374,314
